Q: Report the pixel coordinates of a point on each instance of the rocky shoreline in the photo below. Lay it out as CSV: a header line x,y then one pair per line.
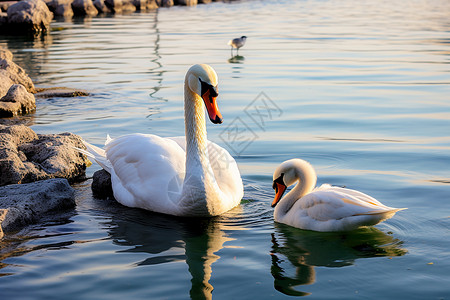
x,y
34,16
36,170
23,204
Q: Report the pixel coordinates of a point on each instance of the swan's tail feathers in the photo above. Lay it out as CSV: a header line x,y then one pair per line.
x,y
390,210
399,209
376,216
97,154
108,139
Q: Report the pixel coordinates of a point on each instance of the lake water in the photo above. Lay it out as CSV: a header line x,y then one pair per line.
x,y
361,89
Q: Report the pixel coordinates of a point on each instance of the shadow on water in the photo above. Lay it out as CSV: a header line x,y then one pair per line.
x,y
237,62
237,59
301,251
162,239
165,237
14,244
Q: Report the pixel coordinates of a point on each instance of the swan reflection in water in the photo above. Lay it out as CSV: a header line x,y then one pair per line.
x,y
169,239
302,250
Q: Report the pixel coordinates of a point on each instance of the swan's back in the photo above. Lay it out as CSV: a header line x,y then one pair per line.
x,y
143,168
330,208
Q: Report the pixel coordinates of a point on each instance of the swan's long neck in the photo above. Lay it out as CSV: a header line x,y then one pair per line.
x,y
306,181
195,130
200,188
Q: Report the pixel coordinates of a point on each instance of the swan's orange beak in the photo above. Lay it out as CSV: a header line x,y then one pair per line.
x,y
279,191
209,97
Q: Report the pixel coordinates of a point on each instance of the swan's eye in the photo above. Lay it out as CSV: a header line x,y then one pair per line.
x,y
279,180
205,87
208,87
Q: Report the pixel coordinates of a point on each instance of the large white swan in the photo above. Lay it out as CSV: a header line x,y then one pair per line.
x,y
326,208
182,176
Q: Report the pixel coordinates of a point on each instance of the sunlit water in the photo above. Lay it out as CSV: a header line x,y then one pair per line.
x,y
361,89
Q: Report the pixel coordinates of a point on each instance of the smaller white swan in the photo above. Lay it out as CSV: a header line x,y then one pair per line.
x,y
326,208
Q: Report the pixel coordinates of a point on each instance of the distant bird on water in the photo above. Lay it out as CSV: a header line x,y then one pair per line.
x,y
237,43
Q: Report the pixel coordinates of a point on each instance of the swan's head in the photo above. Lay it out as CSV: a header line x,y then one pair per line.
x,y
202,80
287,173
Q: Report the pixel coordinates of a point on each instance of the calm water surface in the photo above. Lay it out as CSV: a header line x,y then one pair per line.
x,y
361,89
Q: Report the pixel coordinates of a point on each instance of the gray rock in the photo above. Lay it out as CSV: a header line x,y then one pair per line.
x,y
17,135
140,4
64,10
49,4
84,8
164,3
118,6
5,83
61,8
144,4
5,54
14,72
114,5
17,101
128,6
151,5
101,185
186,2
23,204
60,92
124,6
27,157
101,6
29,16
4,5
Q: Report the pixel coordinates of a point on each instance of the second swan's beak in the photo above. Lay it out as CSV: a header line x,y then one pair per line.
x,y
209,97
279,191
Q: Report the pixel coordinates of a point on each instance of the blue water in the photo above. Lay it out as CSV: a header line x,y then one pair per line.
x,y
358,88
